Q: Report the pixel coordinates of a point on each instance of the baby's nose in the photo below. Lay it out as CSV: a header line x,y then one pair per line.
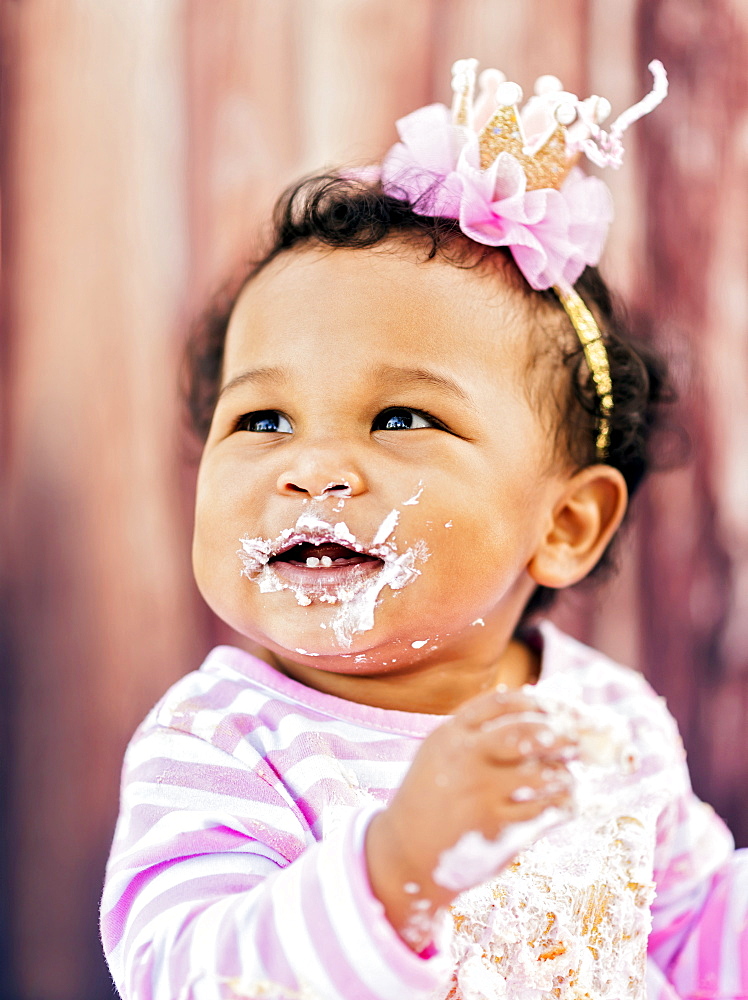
x,y
320,484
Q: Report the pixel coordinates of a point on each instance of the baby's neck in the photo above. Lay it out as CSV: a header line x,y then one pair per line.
x,y
436,689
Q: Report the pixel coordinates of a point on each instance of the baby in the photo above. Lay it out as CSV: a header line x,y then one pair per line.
x,y
422,418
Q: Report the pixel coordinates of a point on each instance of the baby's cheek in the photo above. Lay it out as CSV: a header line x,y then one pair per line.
x,y
215,543
217,571
207,560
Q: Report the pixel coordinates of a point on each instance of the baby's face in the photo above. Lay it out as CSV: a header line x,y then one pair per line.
x,y
376,449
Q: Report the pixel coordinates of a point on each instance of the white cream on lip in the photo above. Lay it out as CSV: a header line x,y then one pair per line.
x,y
357,603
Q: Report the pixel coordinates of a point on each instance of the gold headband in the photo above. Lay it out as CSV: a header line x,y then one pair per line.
x,y
596,357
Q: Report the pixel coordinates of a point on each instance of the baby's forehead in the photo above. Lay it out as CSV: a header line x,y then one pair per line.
x,y
390,297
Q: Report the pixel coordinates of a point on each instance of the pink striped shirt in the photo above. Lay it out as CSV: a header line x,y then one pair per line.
x,y
237,868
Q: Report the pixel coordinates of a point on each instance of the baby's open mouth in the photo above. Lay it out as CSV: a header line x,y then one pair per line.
x,y
324,563
324,566
322,555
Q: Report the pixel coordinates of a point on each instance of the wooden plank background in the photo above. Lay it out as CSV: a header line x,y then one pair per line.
x,y
142,146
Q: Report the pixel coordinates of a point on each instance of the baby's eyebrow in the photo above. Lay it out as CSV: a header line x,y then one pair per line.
x,y
422,376
269,375
385,373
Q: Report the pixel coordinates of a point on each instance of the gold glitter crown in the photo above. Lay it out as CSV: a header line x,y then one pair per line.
x,y
536,137
546,138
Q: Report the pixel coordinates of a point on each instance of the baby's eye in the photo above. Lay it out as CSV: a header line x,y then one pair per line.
x,y
267,421
402,418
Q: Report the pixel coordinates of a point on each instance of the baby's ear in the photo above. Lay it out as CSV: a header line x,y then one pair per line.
x,y
584,519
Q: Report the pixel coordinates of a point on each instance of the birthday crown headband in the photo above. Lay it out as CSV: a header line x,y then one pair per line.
x,y
511,179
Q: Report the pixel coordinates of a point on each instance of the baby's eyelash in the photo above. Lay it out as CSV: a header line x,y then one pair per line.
x,y
269,421
264,417
394,410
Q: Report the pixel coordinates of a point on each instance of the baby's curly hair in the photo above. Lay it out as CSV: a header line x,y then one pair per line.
x,y
338,212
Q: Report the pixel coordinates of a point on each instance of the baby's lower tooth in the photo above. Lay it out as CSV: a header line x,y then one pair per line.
x,y
312,561
326,561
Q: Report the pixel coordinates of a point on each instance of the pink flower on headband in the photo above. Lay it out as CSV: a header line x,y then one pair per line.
x,y
552,234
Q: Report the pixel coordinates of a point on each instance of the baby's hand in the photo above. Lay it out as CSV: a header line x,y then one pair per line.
x,y
496,762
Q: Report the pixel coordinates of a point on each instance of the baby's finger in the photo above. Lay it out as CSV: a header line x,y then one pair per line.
x,y
494,704
512,811
510,739
537,780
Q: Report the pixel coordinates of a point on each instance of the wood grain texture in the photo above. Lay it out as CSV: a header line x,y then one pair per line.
x,y
98,538
693,290
143,145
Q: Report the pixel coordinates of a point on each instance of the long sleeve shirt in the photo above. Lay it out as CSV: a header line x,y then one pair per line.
x,y
238,867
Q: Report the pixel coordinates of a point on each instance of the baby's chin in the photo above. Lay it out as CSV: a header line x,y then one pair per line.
x,y
326,622
356,637
305,636
369,653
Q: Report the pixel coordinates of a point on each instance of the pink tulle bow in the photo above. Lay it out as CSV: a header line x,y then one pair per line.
x,y
552,235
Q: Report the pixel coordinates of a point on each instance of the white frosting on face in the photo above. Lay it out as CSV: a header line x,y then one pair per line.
x,y
414,499
356,613
386,528
342,531
254,554
358,602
